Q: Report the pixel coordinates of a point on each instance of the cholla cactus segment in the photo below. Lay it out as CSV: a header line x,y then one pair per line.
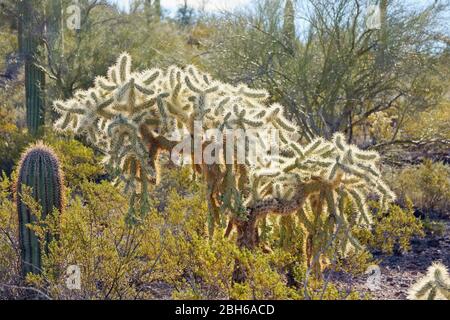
x,y
163,102
340,171
342,165
131,115
435,285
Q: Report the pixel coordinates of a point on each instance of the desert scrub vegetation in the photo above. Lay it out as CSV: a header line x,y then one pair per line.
x,y
123,261
393,229
79,162
133,116
361,115
426,184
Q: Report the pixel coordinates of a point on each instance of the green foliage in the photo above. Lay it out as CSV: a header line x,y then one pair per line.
x,y
78,162
39,170
427,185
341,72
12,141
395,227
8,44
169,255
434,228
9,245
354,262
81,57
185,15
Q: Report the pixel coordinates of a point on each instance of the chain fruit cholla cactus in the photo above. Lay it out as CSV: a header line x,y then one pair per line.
x,y
132,116
434,286
40,170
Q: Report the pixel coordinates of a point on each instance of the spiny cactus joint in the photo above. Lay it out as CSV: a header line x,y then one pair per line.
x,y
435,285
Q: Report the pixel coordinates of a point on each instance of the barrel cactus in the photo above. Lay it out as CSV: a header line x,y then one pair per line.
x,y
39,169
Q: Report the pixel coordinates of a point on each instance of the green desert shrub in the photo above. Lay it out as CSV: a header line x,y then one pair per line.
x,y
168,255
392,230
8,44
13,141
9,243
434,228
79,162
427,185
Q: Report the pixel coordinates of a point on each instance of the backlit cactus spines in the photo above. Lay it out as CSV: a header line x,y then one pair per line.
x,y
435,285
39,169
132,116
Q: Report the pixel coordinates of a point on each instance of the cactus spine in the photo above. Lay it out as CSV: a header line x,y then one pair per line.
x,y
34,77
40,170
434,286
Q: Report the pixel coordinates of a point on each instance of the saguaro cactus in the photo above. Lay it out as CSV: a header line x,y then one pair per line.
x,y
34,77
40,170
289,25
383,33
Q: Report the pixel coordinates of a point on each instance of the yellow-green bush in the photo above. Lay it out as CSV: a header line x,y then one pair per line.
x,y
8,44
13,141
433,227
396,227
170,248
427,185
9,256
79,163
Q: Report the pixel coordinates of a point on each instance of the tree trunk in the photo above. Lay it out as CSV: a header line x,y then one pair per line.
x,y
247,238
247,230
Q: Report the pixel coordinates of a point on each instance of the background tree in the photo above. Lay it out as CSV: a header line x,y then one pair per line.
x,y
185,14
334,81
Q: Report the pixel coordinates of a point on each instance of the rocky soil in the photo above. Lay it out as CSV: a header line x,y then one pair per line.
x,y
399,272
